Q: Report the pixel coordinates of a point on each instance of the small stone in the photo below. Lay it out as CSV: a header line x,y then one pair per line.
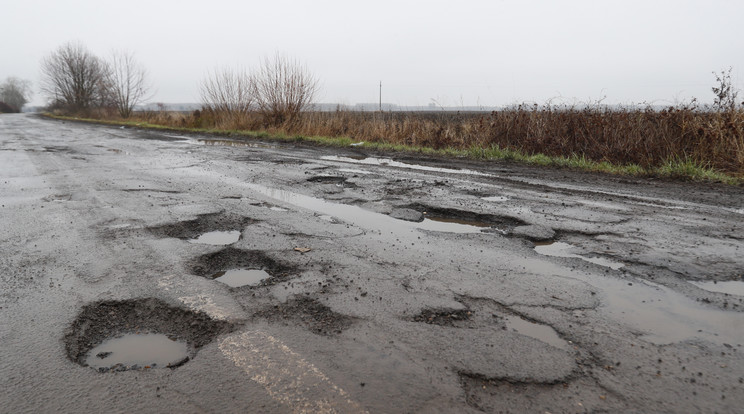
x,y
407,214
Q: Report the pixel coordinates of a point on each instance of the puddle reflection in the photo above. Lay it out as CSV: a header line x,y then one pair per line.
x,y
391,163
540,332
732,287
560,249
142,350
217,238
241,277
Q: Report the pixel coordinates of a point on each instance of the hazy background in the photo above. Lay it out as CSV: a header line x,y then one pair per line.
x,y
454,53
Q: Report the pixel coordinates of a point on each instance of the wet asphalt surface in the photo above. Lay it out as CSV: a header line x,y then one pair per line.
x,y
395,283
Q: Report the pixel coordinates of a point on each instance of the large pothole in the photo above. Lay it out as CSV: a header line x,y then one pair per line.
x,y
465,218
317,317
237,267
138,334
222,225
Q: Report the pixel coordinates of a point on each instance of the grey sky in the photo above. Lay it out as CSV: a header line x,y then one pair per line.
x,y
464,52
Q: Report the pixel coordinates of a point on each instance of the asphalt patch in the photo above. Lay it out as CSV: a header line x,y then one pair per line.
x,y
101,321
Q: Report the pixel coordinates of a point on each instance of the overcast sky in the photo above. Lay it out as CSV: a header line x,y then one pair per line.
x,y
454,52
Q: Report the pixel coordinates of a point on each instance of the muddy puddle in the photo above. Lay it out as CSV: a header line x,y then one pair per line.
x,y
731,287
364,218
137,333
656,313
241,277
397,164
452,225
561,249
138,351
217,238
543,333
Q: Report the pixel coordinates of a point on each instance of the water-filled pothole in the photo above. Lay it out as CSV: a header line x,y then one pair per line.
x,y
217,238
397,164
731,287
561,249
138,351
232,143
203,224
462,221
238,266
241,277
132,334
543,333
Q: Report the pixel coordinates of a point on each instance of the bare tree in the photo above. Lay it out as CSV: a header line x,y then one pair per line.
x,y
228,94
725,91
74,78
15,92
126,83
283,87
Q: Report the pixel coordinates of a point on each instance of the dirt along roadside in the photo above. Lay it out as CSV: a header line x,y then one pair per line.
x,y
281,277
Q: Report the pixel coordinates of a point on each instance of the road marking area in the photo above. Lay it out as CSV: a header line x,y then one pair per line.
x,y
285,375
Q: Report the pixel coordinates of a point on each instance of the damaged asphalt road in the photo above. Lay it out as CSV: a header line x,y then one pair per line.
x,y
420,285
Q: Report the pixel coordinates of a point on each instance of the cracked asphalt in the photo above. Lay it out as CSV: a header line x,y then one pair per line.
x,y
396,283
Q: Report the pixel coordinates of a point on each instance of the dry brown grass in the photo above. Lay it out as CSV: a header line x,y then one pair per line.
x,y
646,137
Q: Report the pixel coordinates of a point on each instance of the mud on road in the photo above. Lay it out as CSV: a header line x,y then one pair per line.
x,y
283,277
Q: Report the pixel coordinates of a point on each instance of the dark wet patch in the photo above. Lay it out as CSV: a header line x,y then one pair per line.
x,y
150,190
331,179
466,217
211,265
234,143
57,148
191,229
101,321
318,318
502,395
443,317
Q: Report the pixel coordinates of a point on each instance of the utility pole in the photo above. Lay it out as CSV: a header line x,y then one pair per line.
x,y
380,96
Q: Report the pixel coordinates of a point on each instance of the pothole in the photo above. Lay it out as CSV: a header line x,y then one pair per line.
x,y
138,334
443,317
397,164
241,277
332,179
232,143
383,223
462,221
543,333
217,238
328,179
561,249
237,267
138,351
731,287
317,317
213,226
